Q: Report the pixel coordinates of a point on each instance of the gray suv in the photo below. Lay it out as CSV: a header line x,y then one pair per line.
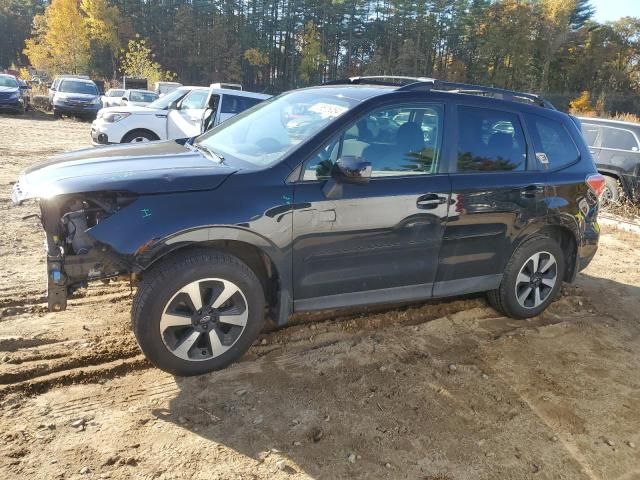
x,y
615,147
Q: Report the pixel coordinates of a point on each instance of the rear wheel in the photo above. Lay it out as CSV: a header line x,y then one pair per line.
x,y
531,280
198,312
611,191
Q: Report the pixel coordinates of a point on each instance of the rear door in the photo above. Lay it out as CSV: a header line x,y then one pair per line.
x,y
185,120
378,242
496,193
234,104
620,155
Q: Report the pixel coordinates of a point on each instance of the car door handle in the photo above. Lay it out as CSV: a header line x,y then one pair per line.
x,y
532,191
430,201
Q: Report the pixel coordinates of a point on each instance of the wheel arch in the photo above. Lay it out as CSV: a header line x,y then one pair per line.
x,y
566,237
266,260
138,131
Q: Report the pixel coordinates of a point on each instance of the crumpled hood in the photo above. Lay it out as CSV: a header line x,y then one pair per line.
x,y
145,168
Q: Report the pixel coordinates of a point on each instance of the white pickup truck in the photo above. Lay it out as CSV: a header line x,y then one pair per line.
x,y
185,112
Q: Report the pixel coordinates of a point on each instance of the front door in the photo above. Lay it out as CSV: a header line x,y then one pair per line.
x,y
185,120
378,242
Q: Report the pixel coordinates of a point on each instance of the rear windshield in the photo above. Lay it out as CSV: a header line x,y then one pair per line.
x,y
74,86
142,97
115,93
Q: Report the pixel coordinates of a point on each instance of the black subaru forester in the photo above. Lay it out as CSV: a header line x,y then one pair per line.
x,y
369,191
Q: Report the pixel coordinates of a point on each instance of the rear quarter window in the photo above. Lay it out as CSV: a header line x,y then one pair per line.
x,y
553,144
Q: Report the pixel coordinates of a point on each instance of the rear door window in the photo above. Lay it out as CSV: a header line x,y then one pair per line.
x,y
490,141
554,146
619,139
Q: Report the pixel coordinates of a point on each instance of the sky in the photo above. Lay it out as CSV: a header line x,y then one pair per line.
x,y
607,10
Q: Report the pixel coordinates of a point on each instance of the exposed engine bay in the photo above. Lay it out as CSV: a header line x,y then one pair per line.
x,y
73,256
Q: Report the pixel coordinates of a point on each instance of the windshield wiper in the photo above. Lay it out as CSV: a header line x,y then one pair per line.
x,y
207,150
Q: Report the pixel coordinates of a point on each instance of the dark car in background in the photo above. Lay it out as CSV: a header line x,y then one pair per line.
x,y
77,97
14,94
367,192
615,147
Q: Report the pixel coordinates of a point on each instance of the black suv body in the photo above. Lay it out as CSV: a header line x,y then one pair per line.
x,y
615,147
328,197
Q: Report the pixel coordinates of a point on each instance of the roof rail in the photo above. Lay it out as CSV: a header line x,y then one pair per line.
x,y
469,89
387,80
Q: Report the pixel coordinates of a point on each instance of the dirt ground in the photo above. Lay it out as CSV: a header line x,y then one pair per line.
x,y
442,390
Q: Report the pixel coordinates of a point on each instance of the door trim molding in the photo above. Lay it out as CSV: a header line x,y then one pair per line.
x,y
451,288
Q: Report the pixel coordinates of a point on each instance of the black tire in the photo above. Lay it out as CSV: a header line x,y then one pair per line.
x,y
139,136
159,290
505,298
611,189
57,115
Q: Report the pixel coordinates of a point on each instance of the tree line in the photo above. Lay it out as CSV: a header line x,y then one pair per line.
x,y
274,45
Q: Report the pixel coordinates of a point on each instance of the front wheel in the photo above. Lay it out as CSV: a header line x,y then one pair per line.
x,y
531,280
198,312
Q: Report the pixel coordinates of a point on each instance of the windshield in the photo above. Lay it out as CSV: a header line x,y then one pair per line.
x,y
164,102
265,133
8,82
74,86
145,97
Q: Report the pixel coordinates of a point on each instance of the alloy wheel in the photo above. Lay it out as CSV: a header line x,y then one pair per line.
x,y
204,319
536,280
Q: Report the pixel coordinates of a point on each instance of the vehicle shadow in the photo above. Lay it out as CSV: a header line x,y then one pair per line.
x,y
387,403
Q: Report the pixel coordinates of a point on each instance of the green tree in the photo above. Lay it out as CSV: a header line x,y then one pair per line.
x,y
138,61
312,57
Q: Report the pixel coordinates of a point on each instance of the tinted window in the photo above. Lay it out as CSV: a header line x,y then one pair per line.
x,y
195,99
590,133
235,105
490,141
552,139
618,138
396,141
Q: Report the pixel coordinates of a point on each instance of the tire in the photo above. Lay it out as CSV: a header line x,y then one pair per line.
x,y
57,115
611,189
137,136
177,338
508,298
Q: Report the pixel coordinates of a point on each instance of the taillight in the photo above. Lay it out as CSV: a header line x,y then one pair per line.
x,y
596,183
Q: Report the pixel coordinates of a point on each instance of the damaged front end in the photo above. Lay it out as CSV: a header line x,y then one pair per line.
x,y
74,257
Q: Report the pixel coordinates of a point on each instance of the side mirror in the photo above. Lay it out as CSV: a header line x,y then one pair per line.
x,y
348,169
351,169
125,99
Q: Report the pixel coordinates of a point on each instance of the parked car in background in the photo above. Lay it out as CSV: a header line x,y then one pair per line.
x,y
180,114
14,94
162,88
615,147
112,97
500,195
56,84
140,98
220,105
76,97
